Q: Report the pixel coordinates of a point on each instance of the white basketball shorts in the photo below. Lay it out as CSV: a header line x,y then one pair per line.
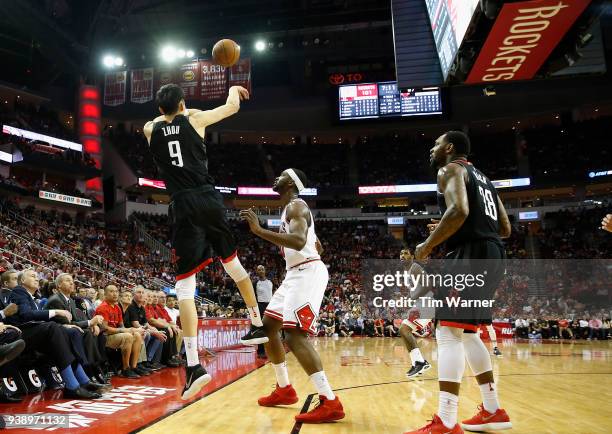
x,y
297,301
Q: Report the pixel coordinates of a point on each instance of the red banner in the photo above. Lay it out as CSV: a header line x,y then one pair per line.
x,y
217,333
523,37
214,81
502,330
240,74
164,75
189,80
114,88
141,83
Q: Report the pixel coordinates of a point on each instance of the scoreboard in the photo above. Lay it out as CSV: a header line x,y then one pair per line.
x,y
385,100
359,101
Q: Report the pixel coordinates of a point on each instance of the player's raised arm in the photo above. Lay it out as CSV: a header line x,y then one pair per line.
x,y
504,222
203,118
452,184
148,127
297,215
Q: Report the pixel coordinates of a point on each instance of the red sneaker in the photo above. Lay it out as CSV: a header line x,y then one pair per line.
x,y
279,396
437,427
326,411
485,421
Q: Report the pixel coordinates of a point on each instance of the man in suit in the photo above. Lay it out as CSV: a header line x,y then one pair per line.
x,y
8,280
86,303
90,328
50,338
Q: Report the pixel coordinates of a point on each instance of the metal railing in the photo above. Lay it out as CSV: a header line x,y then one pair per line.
x,y
103,265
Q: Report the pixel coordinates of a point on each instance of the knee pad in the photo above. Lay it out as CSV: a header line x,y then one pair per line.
x,y
451,356
476,354
235,269
185,288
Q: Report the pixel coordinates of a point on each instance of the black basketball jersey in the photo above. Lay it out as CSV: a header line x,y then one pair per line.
x,y
180,154
482,221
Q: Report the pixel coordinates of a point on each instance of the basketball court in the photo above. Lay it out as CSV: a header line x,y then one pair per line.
x,y
369,376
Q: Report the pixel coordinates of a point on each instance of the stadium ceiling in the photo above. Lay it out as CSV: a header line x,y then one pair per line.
x,y
58,40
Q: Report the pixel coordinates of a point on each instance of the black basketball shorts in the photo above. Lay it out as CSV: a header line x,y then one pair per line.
x,y
200,230
483,258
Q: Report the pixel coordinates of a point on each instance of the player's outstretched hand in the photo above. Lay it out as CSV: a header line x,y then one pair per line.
x,y
244,94
606,223
251,218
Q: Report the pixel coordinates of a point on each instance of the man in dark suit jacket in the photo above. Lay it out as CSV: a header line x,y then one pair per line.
x,y
8,280
50,338
93,341
84,302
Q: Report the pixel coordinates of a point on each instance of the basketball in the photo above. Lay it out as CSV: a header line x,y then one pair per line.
x,y
226,52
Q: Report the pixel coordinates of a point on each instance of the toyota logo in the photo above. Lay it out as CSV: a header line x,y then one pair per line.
x,y
336,79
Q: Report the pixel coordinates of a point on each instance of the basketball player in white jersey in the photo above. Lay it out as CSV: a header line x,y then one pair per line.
x,y
295,304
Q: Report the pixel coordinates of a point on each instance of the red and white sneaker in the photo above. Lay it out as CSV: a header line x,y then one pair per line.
x,y
437,427
279,396
326,411
485,421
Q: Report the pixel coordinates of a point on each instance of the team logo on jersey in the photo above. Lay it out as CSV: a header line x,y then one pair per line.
x,y
306,318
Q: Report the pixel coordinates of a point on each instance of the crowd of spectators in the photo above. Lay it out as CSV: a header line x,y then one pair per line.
x,y
89,335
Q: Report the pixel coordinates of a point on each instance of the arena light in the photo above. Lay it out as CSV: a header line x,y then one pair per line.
x,y
190,53
108,61
168,53
180,53
111,61
260,45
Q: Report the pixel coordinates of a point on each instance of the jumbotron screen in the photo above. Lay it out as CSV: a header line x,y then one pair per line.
x,y
450,20
385,100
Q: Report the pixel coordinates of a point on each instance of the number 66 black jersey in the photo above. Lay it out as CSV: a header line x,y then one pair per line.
x,y
180,154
